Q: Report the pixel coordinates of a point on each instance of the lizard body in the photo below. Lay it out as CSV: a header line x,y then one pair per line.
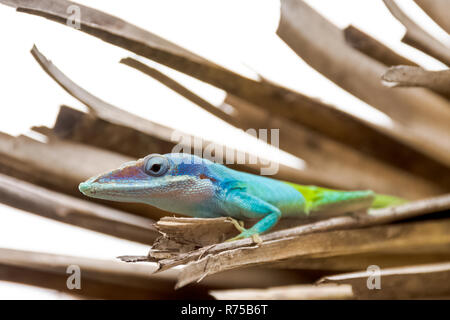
x,y
189,185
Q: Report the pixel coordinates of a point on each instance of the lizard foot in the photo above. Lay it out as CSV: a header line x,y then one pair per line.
x,y
256,238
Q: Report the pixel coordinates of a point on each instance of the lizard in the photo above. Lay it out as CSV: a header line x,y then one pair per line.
x,y
190,185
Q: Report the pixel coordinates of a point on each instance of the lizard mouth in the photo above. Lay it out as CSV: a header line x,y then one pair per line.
x,y
116,191
150,190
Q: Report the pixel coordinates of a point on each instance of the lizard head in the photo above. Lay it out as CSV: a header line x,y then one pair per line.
x,y
165,181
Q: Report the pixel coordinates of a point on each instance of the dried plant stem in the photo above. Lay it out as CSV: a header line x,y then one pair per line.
x,y
407,76
374,48
294,292
407,282
417,37
438,10
278,239
421,117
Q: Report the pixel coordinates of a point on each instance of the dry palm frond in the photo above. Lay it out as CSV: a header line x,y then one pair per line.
x,y
417,37
410,158
407,76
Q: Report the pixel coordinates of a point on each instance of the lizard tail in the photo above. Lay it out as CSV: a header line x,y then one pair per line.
x,y
383,201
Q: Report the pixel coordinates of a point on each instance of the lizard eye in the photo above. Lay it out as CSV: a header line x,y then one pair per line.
x,y
156,165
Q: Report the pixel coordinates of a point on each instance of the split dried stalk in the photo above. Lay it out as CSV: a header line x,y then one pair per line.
x,y
180,89
407,76
100,278
417,37
438,10
421,117
373,217
406,237
408,282
78,126
295,292
97,106
109,279
273,245
182,235
374,48
361,261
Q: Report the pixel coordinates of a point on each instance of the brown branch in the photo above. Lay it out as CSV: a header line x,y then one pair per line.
x,y
395,238
418,114
417,37
361,261
175,230
183,235
299,108
180,89
97,106
438,11
409,282
99,278
116,280
78,126
298,292
279,238
406,76
222,228
374,48
60,207
75,125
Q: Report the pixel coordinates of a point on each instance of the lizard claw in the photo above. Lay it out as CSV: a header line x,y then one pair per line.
x,y
239,225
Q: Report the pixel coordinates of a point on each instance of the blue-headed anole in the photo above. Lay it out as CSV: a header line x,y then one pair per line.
x,y
196,187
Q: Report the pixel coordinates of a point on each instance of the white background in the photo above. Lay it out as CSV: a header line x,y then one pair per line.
x,y
239,35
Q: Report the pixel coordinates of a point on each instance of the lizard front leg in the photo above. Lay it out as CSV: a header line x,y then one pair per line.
x,y
243,205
